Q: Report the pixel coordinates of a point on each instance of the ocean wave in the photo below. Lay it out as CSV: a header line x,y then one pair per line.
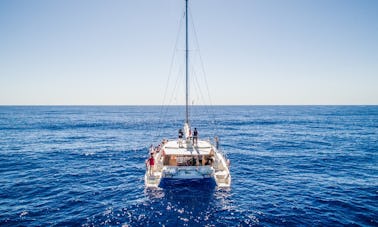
x,y
290,166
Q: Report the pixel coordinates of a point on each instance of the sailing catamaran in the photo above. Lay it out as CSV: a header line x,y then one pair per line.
x,y
187,157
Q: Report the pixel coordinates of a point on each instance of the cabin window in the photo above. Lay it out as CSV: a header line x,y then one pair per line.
x,y
166,160
181,160
170,160
177,160
173,160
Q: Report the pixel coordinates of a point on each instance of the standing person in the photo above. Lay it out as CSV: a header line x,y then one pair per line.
x,y
151,162
180,135
195,136
217,142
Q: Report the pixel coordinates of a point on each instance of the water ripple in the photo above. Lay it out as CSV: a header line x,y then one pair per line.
x,y
306,165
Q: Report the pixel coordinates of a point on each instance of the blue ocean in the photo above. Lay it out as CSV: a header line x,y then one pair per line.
x,y
290,166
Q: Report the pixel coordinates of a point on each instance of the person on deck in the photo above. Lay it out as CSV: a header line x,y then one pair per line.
x,y
151,162
195,136
217,142
180,136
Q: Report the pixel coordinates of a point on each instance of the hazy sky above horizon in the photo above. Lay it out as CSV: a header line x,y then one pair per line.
x,y
119,52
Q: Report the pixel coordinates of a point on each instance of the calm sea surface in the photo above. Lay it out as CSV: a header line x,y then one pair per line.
x,y
290,165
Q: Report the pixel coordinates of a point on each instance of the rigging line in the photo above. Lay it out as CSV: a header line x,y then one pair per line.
x,y
201,60
203,71
173,58
173,96
175,87
170,73
198,86
201,95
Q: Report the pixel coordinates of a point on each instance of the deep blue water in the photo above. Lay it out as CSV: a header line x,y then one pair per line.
x,y
290,165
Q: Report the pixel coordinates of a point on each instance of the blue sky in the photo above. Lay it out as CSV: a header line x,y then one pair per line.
x,y
254,51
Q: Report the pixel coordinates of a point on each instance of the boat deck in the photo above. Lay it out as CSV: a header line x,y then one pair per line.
x,y
187,148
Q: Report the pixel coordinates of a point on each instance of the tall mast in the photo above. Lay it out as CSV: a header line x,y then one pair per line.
x,y
186,64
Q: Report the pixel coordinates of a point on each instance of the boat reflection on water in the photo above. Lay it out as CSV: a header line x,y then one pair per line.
x,y
177,191
193,203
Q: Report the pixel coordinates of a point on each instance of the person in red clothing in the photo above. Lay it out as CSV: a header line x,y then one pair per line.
x,y
151,163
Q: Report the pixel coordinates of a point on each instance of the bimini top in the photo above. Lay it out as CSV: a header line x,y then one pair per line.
x,y
173,148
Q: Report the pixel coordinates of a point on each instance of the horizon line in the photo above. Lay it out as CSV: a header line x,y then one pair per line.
x,y
157,105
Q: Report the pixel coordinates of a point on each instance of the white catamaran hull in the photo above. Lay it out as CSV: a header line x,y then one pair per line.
x,y
186,162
